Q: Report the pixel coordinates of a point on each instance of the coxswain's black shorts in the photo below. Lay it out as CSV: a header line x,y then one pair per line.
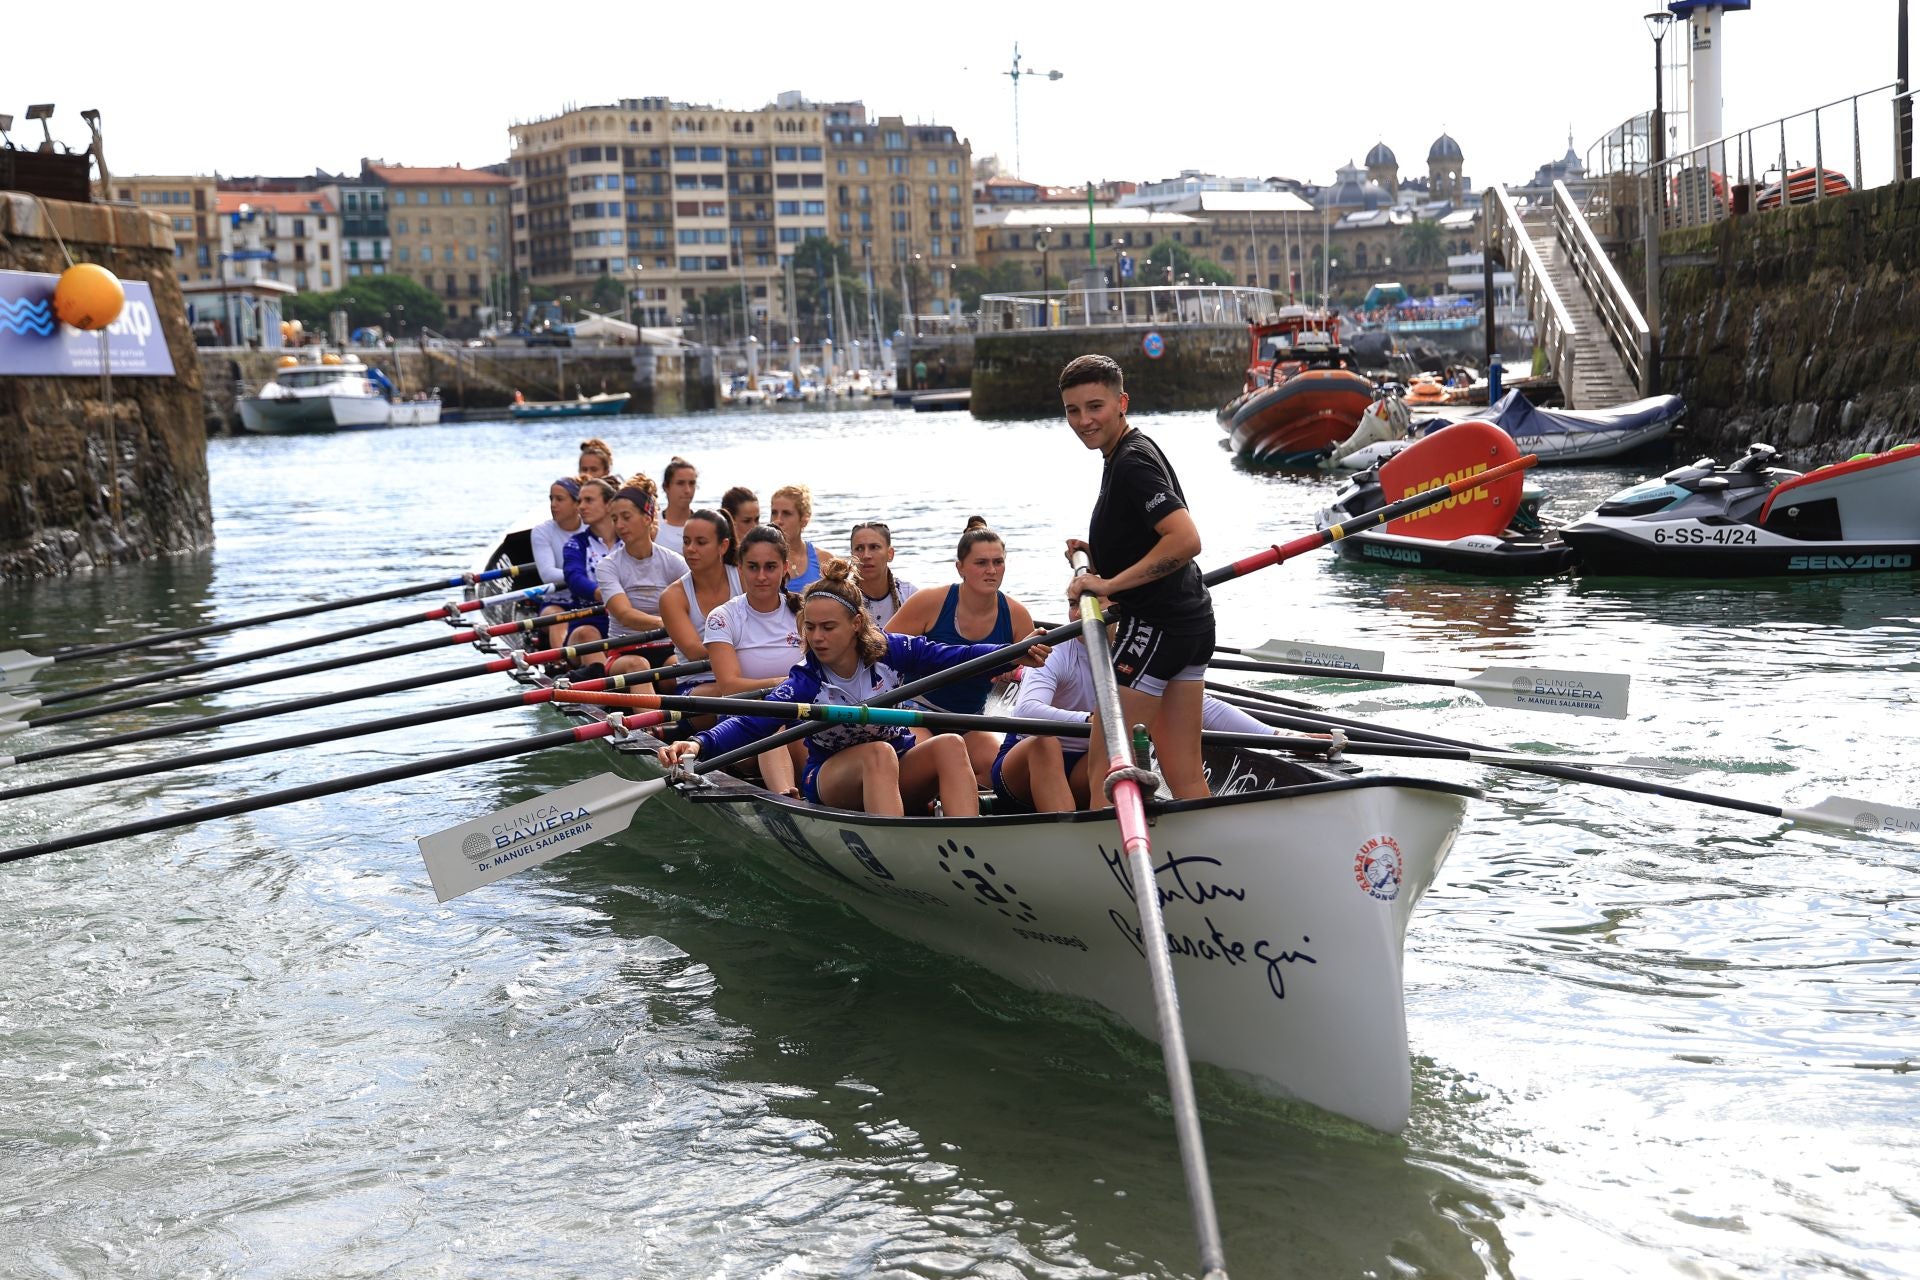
x,y
1148,659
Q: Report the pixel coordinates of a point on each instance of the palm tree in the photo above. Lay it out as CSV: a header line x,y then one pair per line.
x,y
1423,244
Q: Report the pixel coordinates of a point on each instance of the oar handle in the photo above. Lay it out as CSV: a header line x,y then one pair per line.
x,y
1392,511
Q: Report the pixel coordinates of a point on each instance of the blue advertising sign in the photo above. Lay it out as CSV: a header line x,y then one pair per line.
x,y
1126,266
1154,345
32,341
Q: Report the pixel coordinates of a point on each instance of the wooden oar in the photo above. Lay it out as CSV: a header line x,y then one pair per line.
x,y
1392,511
1575,693
1130,811
445,613
352,782
570,654
169,764
523,626
19,664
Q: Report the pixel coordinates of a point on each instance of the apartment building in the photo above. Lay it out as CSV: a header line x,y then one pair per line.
x,y
187,202
299,229
684,203
902,202
447,228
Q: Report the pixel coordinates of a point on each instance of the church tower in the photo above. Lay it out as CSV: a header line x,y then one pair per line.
x,y
1446,177
1384,169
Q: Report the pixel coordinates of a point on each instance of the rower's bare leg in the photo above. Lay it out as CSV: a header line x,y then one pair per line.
x,y
779,771
866,777
627,664
982,749
1173,722
1035,771
557,633
940,766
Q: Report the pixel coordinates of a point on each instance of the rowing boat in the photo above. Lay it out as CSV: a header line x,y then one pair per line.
x,y
1287,895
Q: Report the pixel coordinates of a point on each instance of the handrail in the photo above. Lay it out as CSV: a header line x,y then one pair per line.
x,y
1080,308
1554,326
1617,310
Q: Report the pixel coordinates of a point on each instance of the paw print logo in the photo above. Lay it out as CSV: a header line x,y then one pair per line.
x,y
959,862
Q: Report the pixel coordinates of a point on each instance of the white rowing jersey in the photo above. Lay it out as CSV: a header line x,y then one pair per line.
x,y
699,617
884,607
550,549
1061,688
671,536
767,644
620,573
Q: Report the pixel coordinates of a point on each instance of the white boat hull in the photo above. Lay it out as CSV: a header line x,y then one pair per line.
x,y
295,415
1286,913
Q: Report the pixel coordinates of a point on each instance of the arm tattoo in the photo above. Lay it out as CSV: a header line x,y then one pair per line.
x,y
1162,567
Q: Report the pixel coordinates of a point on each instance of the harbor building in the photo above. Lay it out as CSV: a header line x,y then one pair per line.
x,y
187,203
299,230
448,230
1052,243
699,208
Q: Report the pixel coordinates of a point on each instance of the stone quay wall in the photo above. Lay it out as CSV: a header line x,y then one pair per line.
x,y
1799,327
483,379
1017,374
60,465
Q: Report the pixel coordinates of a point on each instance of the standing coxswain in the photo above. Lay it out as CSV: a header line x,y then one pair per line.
x,y
1142,543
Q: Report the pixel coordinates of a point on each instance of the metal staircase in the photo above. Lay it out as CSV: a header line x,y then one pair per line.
x,y
1595,338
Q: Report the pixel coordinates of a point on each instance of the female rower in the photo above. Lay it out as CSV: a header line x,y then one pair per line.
x,y
584,551
877,768
632,578
742,507
753,640
789,510
676,483
709,582
596,459
972,611
872,547
550,538
1049,774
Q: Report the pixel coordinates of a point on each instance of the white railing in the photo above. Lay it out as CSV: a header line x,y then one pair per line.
x,y
1618,312
1553,327
1199,304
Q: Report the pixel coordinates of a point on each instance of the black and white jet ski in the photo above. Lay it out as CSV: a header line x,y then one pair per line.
x,y
1752,519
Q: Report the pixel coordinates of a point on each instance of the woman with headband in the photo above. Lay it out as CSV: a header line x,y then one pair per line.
x,y
550,538
880,769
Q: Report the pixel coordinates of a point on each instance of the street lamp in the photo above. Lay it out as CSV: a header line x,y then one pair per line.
x,y
1046,280
1657,24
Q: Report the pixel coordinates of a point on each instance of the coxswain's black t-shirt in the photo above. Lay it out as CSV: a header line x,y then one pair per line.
x,y
1137,490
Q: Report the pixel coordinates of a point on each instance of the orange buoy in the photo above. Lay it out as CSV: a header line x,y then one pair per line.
x,y
88,296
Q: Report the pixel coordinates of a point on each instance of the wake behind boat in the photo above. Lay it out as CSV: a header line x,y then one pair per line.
x,y
1286,895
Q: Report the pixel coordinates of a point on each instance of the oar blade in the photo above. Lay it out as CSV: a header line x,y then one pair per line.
x,y
17,666
1859,815
14,708
463,858
1574,693
1319,655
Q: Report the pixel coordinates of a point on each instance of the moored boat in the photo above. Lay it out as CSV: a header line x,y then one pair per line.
x,y
605,404
1558,437
1752,518
1301,396
1286,894
331,393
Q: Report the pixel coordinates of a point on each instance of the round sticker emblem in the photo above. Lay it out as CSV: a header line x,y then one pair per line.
x,y
1377,868
1154,345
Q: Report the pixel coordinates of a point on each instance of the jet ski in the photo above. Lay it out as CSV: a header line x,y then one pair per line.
x,y
1752,519
1492,531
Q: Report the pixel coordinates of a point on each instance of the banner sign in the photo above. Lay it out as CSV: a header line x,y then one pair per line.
x,y
33,342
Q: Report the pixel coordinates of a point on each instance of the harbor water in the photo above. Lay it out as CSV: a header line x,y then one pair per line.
x,y
1650,1038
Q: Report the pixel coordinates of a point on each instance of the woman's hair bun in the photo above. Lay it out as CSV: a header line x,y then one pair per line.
x,y
836,571
975,522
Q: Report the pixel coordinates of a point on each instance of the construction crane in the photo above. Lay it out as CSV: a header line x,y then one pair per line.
x,y
1016,73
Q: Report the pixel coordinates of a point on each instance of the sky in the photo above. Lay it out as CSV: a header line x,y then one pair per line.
x,y
1284,88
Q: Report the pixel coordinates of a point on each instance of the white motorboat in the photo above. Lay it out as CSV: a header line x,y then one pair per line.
x,y
332,393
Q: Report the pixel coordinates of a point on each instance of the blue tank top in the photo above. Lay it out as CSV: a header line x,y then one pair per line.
x,y
969,696
813,570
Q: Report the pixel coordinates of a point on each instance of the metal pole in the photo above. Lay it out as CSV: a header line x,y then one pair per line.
x,y
1486,273
1902,104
